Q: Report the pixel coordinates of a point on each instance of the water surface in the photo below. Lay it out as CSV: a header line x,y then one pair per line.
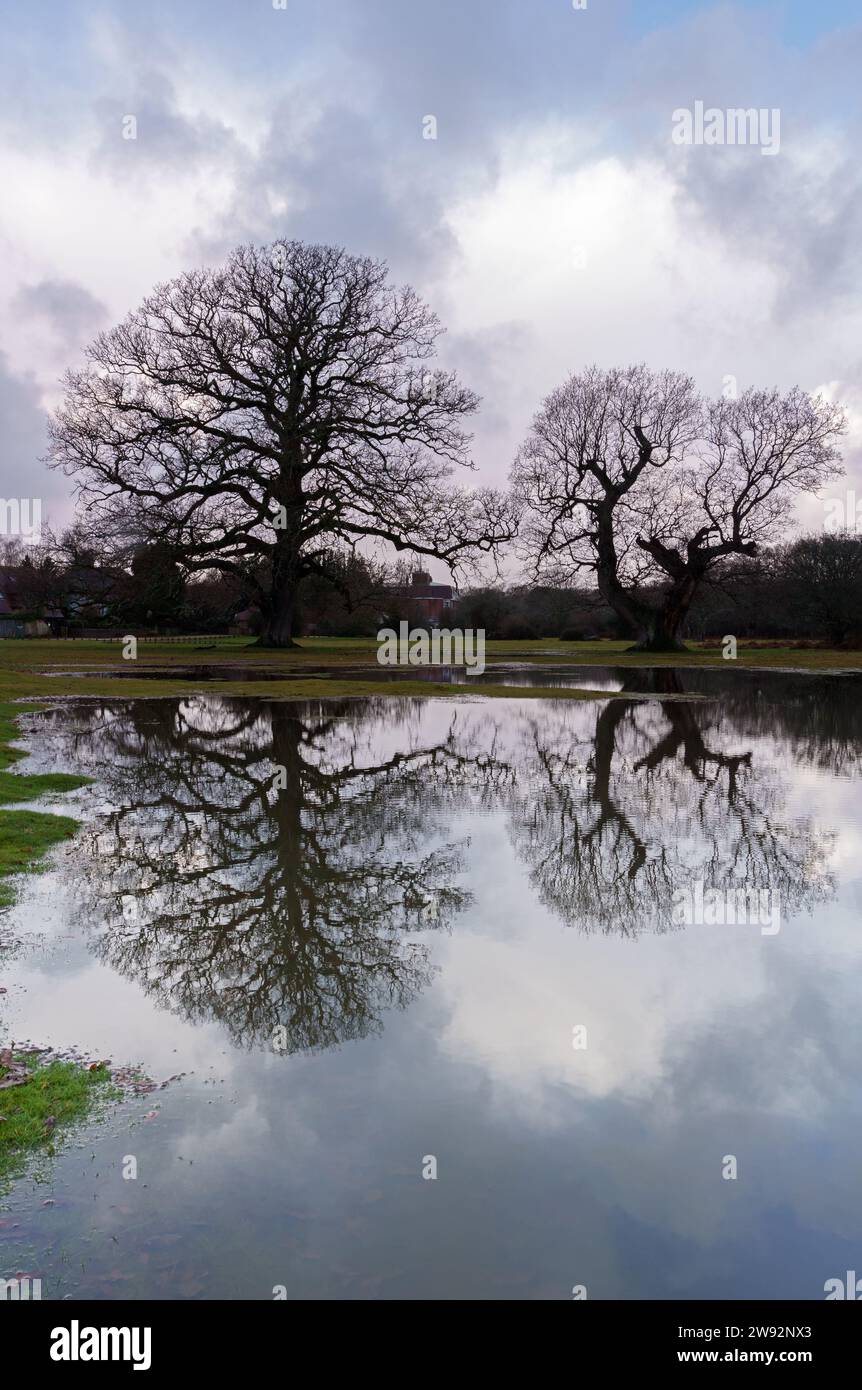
x,y
369,933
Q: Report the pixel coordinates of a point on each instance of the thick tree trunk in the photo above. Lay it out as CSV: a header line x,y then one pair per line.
x,y
636,615
658,628
278,629
280,613
658,635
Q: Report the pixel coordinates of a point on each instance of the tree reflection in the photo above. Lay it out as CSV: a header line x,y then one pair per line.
x,y
268,867
276,865
650,800
817,714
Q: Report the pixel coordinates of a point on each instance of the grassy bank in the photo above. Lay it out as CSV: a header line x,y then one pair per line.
x,y
44,667
26,836
49,1099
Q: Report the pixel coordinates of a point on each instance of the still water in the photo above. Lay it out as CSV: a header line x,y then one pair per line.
x,y
372,934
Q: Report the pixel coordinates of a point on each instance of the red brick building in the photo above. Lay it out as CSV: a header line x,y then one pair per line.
x,y
426,601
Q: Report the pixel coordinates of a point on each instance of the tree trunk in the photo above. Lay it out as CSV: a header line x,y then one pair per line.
x,y
658,635
280,611
658,628
278,628
631,611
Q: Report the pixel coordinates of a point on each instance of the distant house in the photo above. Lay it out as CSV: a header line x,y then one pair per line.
x,y
10,601
86,591
14,620
426,601
11,625
247,623
34,603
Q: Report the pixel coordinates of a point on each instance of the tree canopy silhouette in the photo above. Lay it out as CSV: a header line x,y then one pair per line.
x,y
631,474
256,416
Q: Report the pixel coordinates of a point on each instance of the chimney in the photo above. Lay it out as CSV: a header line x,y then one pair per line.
x,y
420,577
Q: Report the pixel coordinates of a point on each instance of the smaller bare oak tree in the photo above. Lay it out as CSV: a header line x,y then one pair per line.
x,y
632,474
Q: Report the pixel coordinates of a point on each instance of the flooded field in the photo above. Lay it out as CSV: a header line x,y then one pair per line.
x,y
466,998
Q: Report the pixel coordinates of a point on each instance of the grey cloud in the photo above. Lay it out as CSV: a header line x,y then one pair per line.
x,y
24,442
801,213
809,230
72,312
359,173
490,70
487,361
345,87
343,182
162,137
363,176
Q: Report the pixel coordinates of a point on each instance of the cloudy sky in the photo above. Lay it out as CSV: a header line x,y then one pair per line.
x,y
552,222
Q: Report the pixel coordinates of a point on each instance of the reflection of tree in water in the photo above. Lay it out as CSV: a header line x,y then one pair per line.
x,y
268,866
817,716
650,802
282,860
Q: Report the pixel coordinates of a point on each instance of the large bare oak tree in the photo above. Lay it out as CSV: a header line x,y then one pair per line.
x,y
257,416
631,474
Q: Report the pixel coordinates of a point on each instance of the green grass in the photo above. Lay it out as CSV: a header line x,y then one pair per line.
x,y
27,836
25,839
28,788
26,666
24,663
62,1092
9,731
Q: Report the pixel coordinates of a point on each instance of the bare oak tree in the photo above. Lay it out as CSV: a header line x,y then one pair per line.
x,y
253,416
631,474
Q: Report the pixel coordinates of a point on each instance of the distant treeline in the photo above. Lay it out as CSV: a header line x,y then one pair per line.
x,y
810,589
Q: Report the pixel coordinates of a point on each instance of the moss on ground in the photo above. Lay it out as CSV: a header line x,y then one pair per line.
x,y
25,839
36,1115
27,836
